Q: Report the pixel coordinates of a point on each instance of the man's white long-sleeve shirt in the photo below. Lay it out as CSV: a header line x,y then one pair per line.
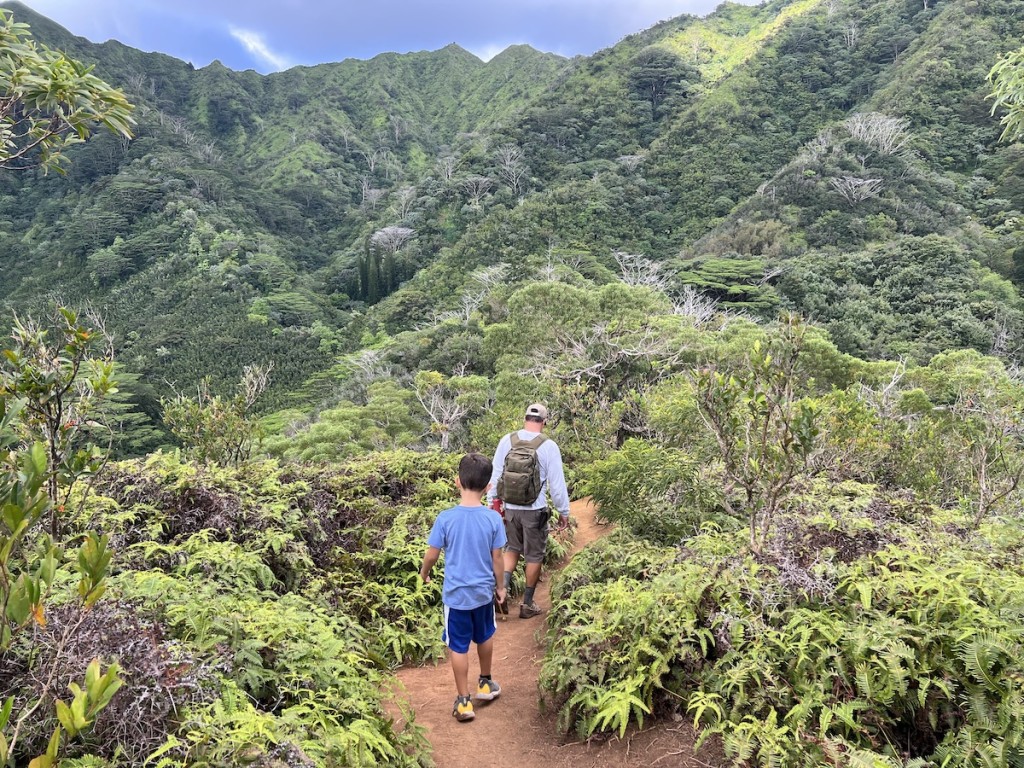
x,y
552,475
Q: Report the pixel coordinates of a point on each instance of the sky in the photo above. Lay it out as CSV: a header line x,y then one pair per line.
x,y
271,35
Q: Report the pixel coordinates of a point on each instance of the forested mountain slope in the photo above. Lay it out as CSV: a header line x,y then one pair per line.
x,y
258,218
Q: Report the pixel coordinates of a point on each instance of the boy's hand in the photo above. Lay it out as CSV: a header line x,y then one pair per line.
x,y
501,593
425,577
563,523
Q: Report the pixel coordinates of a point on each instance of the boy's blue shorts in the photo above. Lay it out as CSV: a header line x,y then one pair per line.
x,y
461,627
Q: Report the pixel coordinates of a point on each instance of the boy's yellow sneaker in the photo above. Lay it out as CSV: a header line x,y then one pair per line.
x,y
487,690
463,710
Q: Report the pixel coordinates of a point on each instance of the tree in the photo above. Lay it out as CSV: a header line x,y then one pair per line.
x,y
49,101
476,187
887,135
218,429
449,401
391,239
856,190
991,426
446,166
130,415
52,371
656,74
511,166
639,271
108,264
371,195
764,433
630,162
1007,78
693,304
385,422
404,199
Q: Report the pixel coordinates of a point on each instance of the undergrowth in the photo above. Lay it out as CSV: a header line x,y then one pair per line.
x,y
871,631
256,611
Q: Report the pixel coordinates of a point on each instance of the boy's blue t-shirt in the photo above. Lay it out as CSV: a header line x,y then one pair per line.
x,y
467,535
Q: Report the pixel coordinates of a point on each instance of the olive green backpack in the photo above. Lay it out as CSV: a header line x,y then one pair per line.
x,y
520,483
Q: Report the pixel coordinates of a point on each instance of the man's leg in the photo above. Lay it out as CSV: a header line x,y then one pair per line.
x,y
532,577
511,558
535,540
514,533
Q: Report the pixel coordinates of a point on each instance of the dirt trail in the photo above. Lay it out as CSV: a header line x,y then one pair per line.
x,y
512,731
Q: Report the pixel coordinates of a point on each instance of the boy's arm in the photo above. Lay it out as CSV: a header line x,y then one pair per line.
x,y
429,561
498,562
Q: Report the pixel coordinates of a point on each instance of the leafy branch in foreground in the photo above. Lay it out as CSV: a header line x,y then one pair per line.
x,y
1007,78
49,101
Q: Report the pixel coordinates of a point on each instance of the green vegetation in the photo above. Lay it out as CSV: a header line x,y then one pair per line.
x,y
285,594
50,102
826,574
762,267
746,153
1007,77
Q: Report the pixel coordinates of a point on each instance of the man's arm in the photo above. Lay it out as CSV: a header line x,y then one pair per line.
x,y
429,561
556,482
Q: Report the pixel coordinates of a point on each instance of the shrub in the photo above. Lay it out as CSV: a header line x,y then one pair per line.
x,y
868,631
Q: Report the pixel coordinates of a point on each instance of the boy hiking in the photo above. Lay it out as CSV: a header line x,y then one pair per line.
x,y
472,537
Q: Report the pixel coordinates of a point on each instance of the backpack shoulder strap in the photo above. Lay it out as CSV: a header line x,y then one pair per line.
x,y
533,442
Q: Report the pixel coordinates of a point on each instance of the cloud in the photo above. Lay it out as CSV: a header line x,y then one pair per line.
x,y
256,46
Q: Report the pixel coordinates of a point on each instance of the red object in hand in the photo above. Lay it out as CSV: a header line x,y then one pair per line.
x,y
497,506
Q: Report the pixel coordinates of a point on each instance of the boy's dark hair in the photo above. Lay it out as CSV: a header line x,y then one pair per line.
x,y
534,419
475,471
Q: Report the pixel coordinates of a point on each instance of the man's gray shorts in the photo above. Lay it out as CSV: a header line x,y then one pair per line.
x,y
527,532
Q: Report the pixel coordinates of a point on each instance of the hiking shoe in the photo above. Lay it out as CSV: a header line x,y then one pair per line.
x,y
463,709
501,607
487,690
529,610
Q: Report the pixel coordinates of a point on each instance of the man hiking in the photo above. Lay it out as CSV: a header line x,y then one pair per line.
x,y
527,464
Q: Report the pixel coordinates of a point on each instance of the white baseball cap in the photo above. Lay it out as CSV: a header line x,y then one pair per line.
x,y
539,410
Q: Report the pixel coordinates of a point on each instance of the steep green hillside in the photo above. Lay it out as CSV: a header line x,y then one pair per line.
x,y
847,223
299,216
767,159
228,229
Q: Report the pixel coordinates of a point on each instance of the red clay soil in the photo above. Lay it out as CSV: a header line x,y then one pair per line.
x,y
512,731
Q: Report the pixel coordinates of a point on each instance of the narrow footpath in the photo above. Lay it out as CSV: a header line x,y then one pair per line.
x,y
512,731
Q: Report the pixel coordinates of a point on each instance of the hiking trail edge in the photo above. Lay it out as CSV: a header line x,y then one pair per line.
x,y
512,731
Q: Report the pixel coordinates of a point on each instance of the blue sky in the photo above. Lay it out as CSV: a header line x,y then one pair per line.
x,y
270,35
